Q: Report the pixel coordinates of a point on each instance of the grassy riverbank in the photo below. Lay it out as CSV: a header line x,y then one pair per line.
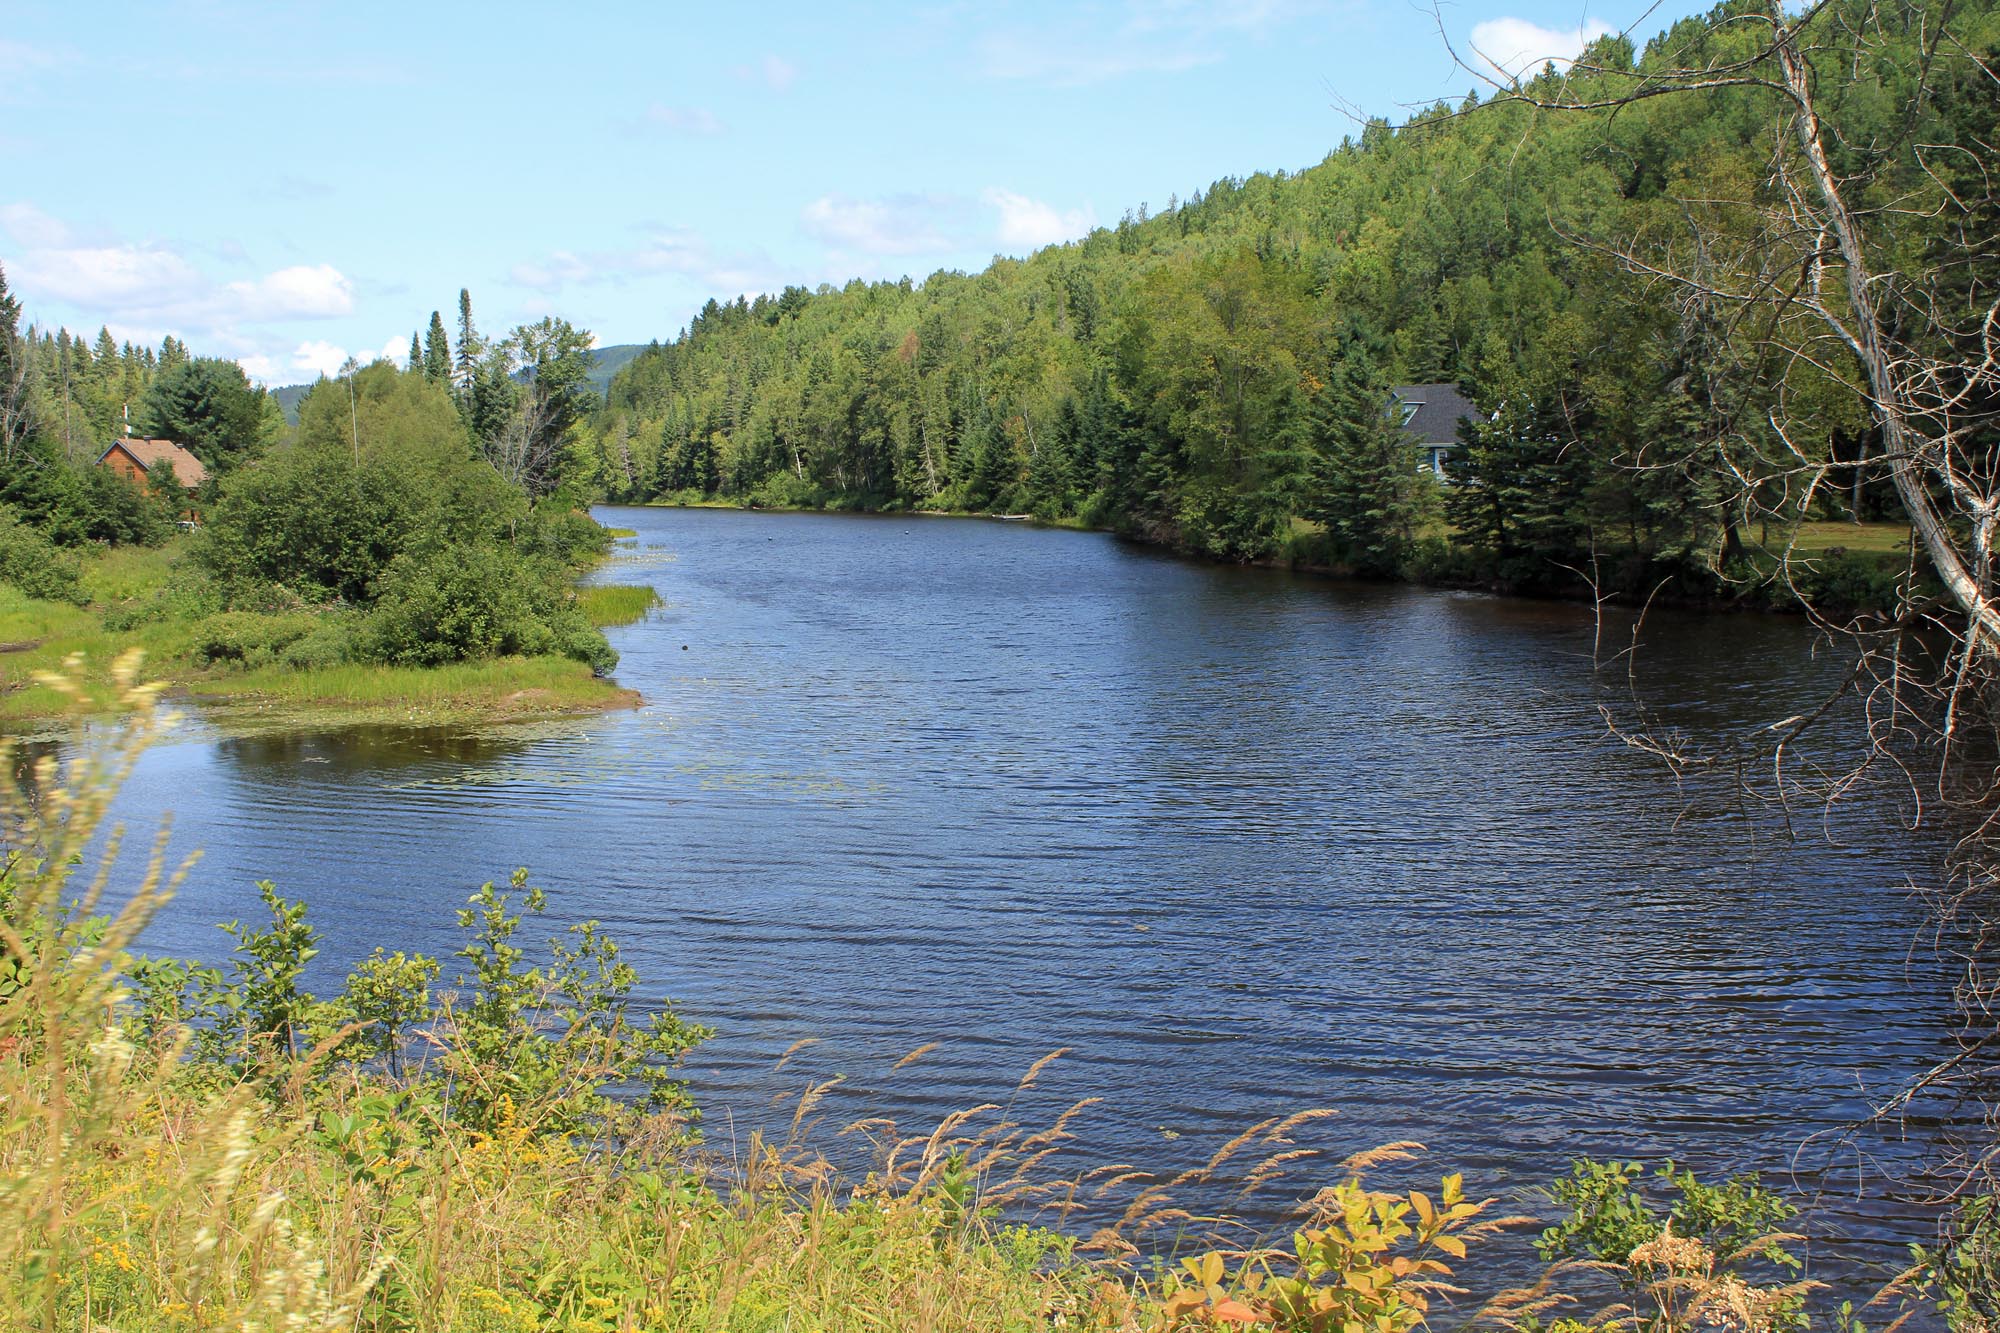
x,y
132,601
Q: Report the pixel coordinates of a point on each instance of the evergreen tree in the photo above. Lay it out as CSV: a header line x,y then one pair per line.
x,y
1053,471
1524,484
17,408
207,406
1363,482
415,366
471,348
437,351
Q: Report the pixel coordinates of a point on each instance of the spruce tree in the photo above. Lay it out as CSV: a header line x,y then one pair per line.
x,y
470,349
1363,474
416,365
1052,470
437,351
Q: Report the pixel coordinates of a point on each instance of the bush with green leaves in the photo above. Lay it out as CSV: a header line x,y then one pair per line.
x,y
381,505
1961,1273
469,602
563,533
556,1046
247,638
32,563
545,1044
1675,1239
370,477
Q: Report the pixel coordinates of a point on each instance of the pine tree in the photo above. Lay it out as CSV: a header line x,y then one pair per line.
x,y
416,365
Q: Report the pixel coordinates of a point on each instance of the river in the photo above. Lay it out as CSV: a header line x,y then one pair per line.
x,y
1244,842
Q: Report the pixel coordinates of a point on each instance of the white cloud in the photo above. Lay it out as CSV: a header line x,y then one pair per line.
x,y
900,225
685,119
304,291
19,56
1030,224
676,251
31,228
110,281
111,278
774,72
1516,48
396,351
319,358
259,367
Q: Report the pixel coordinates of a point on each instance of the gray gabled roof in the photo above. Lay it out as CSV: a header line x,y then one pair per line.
x,y
1440,407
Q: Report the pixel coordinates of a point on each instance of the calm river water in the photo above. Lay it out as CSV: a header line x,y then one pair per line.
x,y
1246,843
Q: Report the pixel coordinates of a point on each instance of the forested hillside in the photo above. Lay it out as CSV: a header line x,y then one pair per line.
x,y
1212,375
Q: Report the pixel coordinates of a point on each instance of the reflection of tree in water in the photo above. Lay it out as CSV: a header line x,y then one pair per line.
x,y
368,749
22,757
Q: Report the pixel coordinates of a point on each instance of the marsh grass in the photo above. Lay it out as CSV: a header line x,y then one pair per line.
x,y
612,604
456,691
38,637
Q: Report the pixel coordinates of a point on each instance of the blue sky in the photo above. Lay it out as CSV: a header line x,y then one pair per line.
x,y
289,184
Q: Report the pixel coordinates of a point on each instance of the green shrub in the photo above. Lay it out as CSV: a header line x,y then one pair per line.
x,y
784,490
329,513
566,535
1842,582
32,563
471,602
464,602
250,639
331,643
1681,1239
1962,1273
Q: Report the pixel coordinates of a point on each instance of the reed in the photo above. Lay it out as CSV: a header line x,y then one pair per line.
x,y
611,604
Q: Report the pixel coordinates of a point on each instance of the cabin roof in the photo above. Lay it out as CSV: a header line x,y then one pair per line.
x,y
148,454
1439,409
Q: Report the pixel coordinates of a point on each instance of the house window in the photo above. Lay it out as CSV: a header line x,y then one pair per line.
x,y
1410,412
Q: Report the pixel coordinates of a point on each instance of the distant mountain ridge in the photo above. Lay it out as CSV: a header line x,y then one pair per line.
x,y
604,363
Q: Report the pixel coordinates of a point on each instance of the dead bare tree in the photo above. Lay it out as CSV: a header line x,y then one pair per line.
x,y
1859,271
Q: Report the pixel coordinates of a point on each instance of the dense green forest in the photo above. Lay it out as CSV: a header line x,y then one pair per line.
x,y
1212,375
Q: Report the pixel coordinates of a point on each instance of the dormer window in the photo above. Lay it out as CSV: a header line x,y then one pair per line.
x,y
1410,412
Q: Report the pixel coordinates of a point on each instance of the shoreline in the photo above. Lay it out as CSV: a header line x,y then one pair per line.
x,y
1754,598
